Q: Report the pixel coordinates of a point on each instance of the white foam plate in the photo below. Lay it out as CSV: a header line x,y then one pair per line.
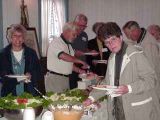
x,y
85,77
110,90
105,87
89,53
17,76
101,61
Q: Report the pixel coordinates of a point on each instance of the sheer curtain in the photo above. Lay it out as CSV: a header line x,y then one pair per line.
x,y
52,20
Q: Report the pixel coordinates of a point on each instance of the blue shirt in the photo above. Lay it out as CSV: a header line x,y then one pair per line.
x,y
81,43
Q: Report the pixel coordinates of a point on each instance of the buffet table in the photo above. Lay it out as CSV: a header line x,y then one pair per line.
x,y
100,114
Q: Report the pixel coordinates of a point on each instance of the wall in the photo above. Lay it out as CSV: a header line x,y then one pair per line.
x,y
11,14
145,12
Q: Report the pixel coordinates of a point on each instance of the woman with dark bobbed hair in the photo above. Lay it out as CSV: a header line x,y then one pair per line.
x,y
19,64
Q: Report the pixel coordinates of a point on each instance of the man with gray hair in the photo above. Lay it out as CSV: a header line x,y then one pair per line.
x,y
60,59
154,30
80,45
144,39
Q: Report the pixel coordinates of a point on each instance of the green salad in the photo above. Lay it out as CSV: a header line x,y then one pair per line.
x,y
73,97
22,101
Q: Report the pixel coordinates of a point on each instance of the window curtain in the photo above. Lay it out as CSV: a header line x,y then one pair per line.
x,y
52,20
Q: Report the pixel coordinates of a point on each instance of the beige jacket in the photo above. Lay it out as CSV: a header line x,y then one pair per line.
x,y
152,52
142,103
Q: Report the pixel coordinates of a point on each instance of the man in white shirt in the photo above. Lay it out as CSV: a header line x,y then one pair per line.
x,y
60,60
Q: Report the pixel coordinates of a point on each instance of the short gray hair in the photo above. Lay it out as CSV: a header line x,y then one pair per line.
x,y
80,17
97,26
130,24
16,28
70,26
153,28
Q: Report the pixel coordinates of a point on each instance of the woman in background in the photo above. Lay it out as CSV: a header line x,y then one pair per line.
x,y
97,45
18,59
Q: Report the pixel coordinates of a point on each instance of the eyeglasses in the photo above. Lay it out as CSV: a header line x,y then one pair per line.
x,y
82,25
17,36
110,40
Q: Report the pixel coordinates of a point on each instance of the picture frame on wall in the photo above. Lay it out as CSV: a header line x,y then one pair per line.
x,y
31,40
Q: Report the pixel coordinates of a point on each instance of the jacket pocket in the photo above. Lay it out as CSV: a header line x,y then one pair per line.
x,y
141,102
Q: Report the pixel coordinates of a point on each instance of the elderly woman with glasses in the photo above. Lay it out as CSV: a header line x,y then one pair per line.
x,y
130,80
19,64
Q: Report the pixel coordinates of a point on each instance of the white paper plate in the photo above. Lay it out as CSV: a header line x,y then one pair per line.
x,y
17,76
110,90
100,61
89,53
85,77
105,87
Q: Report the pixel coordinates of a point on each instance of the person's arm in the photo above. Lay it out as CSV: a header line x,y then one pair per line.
x,y
77,69
66,57
78,53
94,96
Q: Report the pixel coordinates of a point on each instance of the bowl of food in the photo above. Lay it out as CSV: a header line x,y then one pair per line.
x,y
66,112
12,107
68,105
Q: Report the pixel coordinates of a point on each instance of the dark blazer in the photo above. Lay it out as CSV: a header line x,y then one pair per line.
x,y
32,66
99,69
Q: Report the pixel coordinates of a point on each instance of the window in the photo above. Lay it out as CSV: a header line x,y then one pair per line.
x,y
53,27
52,21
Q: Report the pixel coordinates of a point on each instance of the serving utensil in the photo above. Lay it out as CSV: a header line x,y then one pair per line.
x,y
51,107
45,97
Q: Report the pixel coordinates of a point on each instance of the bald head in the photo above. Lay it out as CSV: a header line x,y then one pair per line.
x,y
132,30
154,30
80,17
81,21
